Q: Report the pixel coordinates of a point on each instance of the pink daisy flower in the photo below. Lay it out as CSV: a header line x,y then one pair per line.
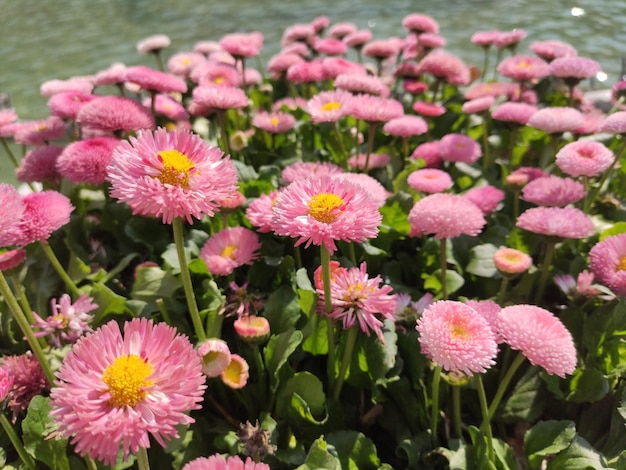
x,y
486,198
510,38
358,39
330,46
357,297
114,75
495,89
359,83
322,210
115,113
518,113
12,210
414,87
525,174
553,191
573,69
559,222
429,152
280,63
430,180
406,126
420,23
551,49
446,216
614,123
607,260
182,63
11,259
220,97
485,38
459,148
555,120
39,165
342,29
80,84
86,161
259,211
153,43
307,72
330,106
68,103
445,66
428,109
27,381
540,336
170,174
275,122
488,309
512,261
375,109
67,321
44,213
524,68
380,49
337,66
236,373
6,382
373,187
7,116
213,73
166,105
302,170
456,337
431,41
230,248
376,160
117,389
584,158
242,44
318,281
215,356
252,329
40,132
218,462
155,80
478,105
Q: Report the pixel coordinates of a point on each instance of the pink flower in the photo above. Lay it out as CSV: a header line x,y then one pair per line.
x,y
512,261
478,105
39,165
556,120
217,462
165,105
485,38
278,64
381,49
486,198
115,389
574,69
430,180
230,248
488,309
212,73
446,216
242,44
359,83
509,39
445,66
6,383
553,191
329,106
153,44
376,160
495,89
182,63
12,210
306,72
342,29
170,174
420,23
559,222
12,259
607,260
426,108
252,329
375,109
330,46
155,80
86,161
322,210
7,116
68,103
259,211
44,213
614,123
236,373
300,170
540,336
40,132
337,66
215,356
115,113
456,337
219,97
518,113
114,75
524,68
373,187
357,39
406,126
80,84
275,123
459,148
27,378
357,297
67,322
551,49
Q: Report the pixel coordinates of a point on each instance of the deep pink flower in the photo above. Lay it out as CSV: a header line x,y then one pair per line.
x,y
512,261
307,72
86,161
218,462
153,44
330,46
540,336
380,49
68,103
430,180
220,97
358,39
414,87
275,122
478,105
456,337
584,158
406,126
559,222
375,109
376,160
115,113
155,80
230,248
495,89
302,170
607,260
429,152
117,389
518,113
551,49
170,174
329,106
6,382
12,210
27,381
420,23
524,68
11,259
44,213
242,44
553,191
259,211
445,66
459,148
486,198
322,210
555,120
337,66
67,321
278,64
446,216
426,108
39,165
359,83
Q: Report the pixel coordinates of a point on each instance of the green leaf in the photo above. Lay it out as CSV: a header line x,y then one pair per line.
x,y
36,427
277,352
152,283
616,229
527,398
588,385
108,302
320,457
547,438
481,260
282,309
453,279
578,456
354,449
310,392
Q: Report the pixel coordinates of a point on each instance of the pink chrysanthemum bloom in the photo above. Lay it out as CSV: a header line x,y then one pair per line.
x,y
301,170
318,280
553,191
559,222
428,109
573,69
380,49
358,83
11,259
484,38
182,63
518,113
275,122
220,97
215,356
28,381
259,211
509,38
478,105
166,105
420,23
446,216
7,116
236,373
44,213
555,120
524,68
39,165
540,336
373,187
445,66
457,338
488,309
153,43
330,46
86,161
114,75
212,73
6,382
592,121
330,106
459,148
252,329
278,64
12,210
232,202
614,123
430,180
115,113
495,89
341,29
414,87
355,297
230,248
298,48
67,322
486,198
429,152
207,47
337,66
358,39
242,44
155,80
81,84
40,132
68,103
431,41
322,210
406,126
217,462
376,160
307,72
511,261
320,23
170,174
375,109
607,260
552,49
526,174
117,389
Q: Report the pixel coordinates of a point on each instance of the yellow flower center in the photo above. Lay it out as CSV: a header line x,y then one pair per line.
x,y
219,80
176,168
325,207
185,61
274,121
332,106
524,64
459,330
621,266
233,371
62,318
229,251
127,378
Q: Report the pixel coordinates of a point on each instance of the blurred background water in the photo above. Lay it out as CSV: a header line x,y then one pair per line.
x,y
44,39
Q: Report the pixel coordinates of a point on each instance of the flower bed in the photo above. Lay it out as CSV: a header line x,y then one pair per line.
x,y
363,254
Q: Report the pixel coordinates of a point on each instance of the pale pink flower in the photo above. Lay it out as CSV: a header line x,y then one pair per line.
x,y
584,158
527,173
259,211
275,122
457,338
414,87
153,44
459,148
39,165
495,89
573,69
27,381
335,67
67,321
540,336
614,123
218,462
330,46
40,132
252,328
211,73
68,103
518,113
512,261
524,68
170,174
509,39
406,126
236,373
320,23
430,180
584,284
298,48
12,210
80,84
44,213
215,356
553,191
6,383
408,310
428,109
117,389
329,106
485,38
358,39
7,116
166,105
380,49
207,47
558,222
373,187
302,170
114,75
280,63
86,161
429,152
446,216
291,104
182,63
488,309
431,41
551,49
220,97
555,120
376,160
445,66
115,113
229,249
487,198
478,105
420,23
242,44
607,260
307,72
360,83
155,80
375,109
342,29
323,210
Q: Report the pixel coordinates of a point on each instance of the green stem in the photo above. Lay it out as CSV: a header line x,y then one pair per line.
x,y
28,311
353,334
91,465
221,117
17,443
504,383
177,226
486,424
9,152
59,269
434,416
456,410
265,405
142,459
485,140
443,267
21,320
328,307
545,269
604,177
164,313
503,285
370,145
344,154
